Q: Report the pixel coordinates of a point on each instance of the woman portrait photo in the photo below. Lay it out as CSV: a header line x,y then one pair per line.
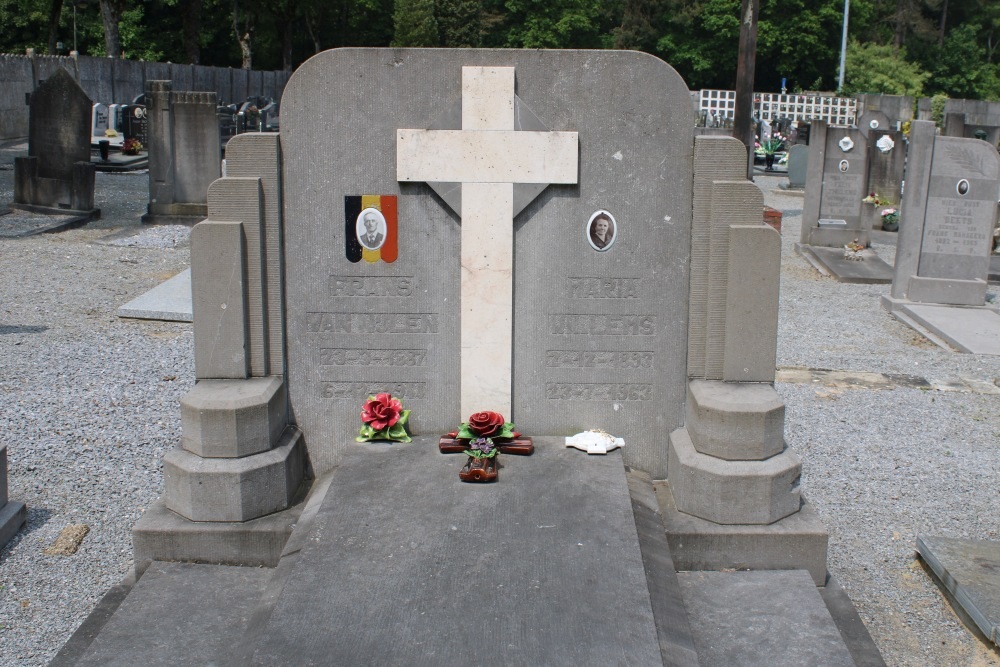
x,y
601,230
371,228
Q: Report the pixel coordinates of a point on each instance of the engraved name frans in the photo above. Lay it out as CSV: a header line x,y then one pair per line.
x,y
335,356
368,286
602,325
357,391
604,288
565,391
372,323
597,359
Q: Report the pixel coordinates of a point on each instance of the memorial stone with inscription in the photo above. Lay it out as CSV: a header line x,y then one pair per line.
x,y
57,175
886,159
835,186
949,213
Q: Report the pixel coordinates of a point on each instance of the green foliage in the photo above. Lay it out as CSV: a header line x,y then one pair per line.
x,y
552,24
415,24
459,23
962,69
938,103
881,69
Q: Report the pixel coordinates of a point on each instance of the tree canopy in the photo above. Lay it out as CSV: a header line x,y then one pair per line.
x,y
897,46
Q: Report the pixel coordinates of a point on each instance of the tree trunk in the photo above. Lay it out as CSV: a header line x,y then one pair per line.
x,y
286,47
191,21
55,11
944,20
242,36
111,13
746,64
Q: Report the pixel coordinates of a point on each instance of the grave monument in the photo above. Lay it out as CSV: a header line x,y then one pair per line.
x,y
837,175
533,233
57,177
185,154
13,513
945,241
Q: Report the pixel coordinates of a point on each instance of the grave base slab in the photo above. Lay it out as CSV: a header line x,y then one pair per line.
x,y
776,618
164,535
969,570
973,330
12,516
872,270
797,542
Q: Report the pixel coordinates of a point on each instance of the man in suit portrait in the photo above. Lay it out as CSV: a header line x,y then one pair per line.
x,y
371,238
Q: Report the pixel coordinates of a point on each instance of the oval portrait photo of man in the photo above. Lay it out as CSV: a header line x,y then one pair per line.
x,y
371,228
601,230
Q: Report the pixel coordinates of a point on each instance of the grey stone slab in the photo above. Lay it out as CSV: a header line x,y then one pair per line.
x,y
161,534
947,291
408,565
733,492
772,619
872,120
58,126
971,330
798,159
179,614
751,331
219,300
169,301
836,185
608,306
872,270
735,421
920,153
970,571
733,203
814,179
852,629
235,199
886,158
233,418
84,636
258,155
715,158
217,489
797,542
672,627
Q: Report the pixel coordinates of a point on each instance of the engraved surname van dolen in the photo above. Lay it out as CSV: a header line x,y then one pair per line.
x,y
604,288
602,325
367,286
372,323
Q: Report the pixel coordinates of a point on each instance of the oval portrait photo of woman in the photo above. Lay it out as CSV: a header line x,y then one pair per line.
x,y
601,230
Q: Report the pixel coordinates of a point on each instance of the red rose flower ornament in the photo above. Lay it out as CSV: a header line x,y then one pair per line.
x,y
486,424
383,418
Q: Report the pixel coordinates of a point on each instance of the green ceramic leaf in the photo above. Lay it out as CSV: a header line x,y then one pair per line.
x,y
464,432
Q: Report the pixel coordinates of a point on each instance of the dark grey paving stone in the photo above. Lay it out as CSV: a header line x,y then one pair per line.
x,y
970,330
830,261
407,565
179,614
19,223
762,618
970,571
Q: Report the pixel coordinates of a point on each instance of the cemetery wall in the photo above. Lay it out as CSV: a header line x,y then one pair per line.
x,y
111,80
896,107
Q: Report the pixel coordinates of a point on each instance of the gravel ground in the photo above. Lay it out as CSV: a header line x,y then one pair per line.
x,y
90,406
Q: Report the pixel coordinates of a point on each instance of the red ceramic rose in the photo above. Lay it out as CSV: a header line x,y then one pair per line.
x,y
486,424
381,412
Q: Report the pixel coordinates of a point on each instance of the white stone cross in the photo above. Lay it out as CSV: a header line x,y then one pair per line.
x,y
487,156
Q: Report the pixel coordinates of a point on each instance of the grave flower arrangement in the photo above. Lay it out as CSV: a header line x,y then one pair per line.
x,y
480,431
890,219
131,146
874,198
485,435
383,418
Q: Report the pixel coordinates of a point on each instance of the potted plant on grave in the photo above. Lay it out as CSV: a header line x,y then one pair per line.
x,y
383,418
890,219
770,148
131,146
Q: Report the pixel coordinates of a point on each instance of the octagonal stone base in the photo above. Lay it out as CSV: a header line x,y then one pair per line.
x,y
233,418
241,489
732,492
735,421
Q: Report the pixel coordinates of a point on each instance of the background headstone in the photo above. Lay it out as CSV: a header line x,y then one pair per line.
x,y
886,159
837,176
798,160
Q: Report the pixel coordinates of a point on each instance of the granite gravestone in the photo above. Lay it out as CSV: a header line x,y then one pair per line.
x,y
185,154
57,175
99,122
835,186
886,159
597,341
945,241
798,160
